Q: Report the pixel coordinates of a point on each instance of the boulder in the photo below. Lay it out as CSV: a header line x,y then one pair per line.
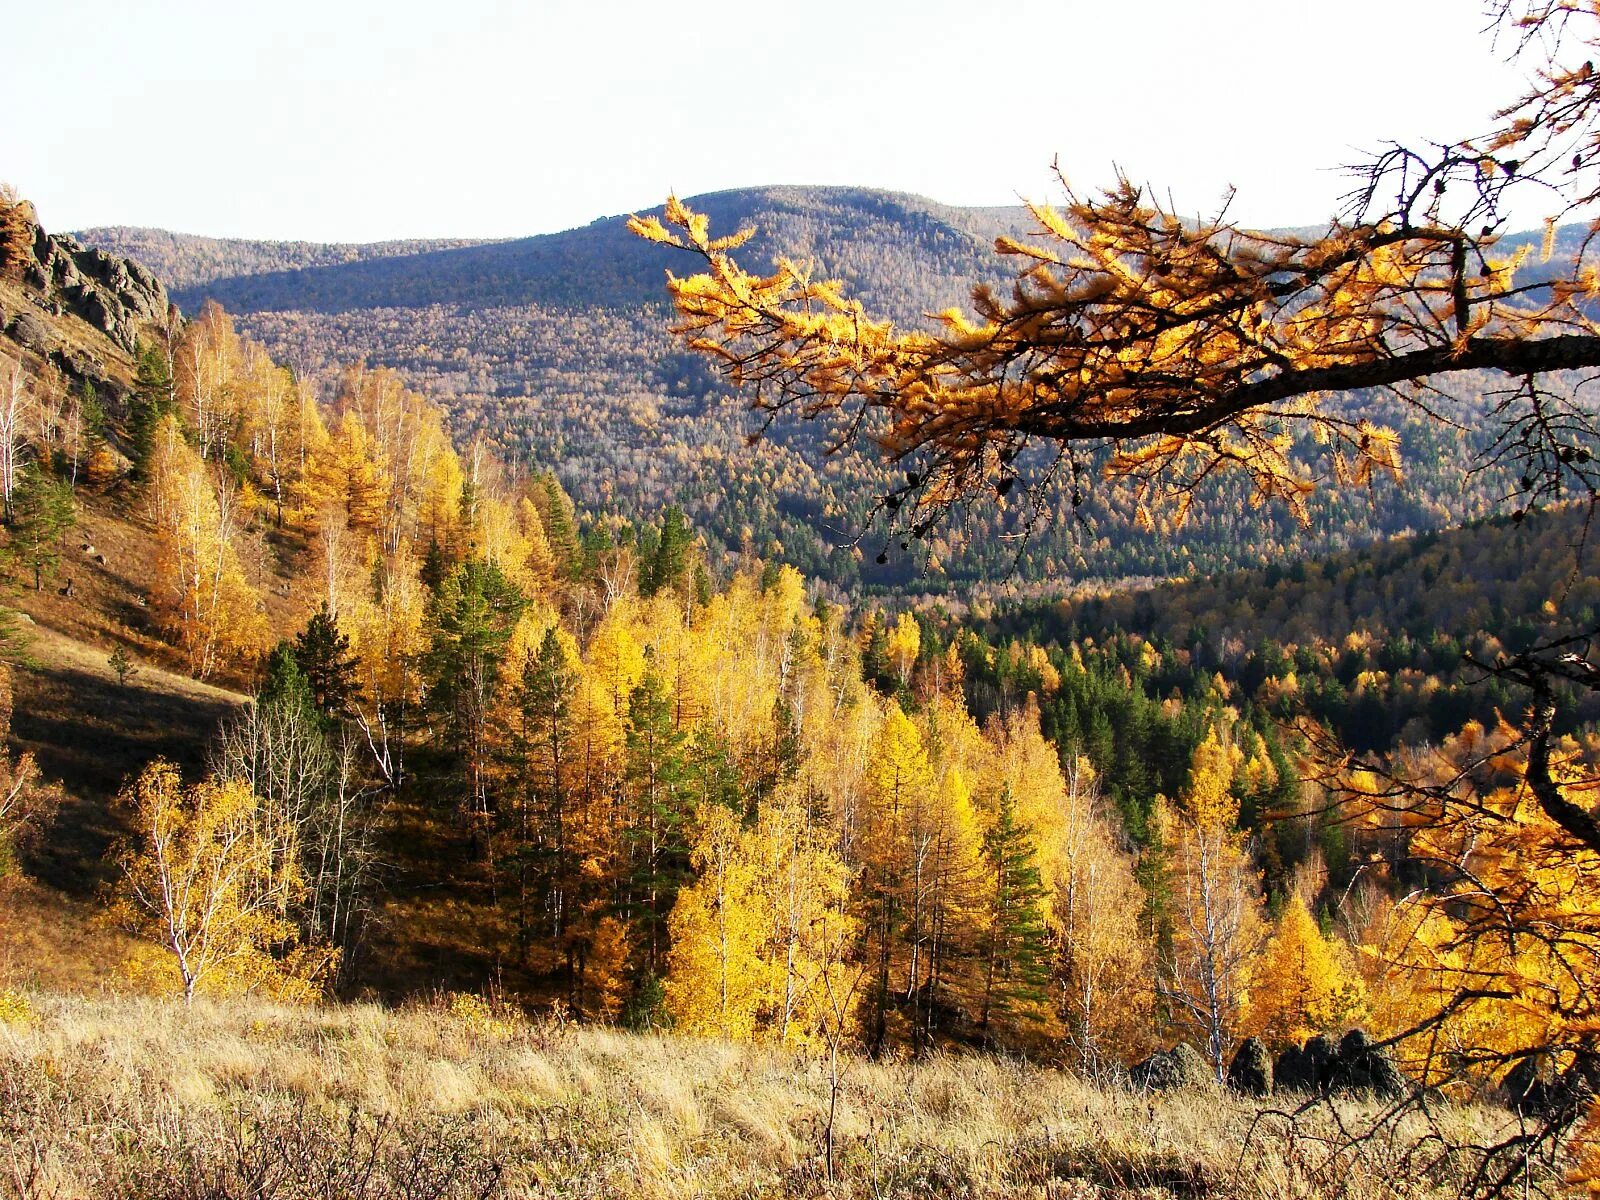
x,y
1535,1088
1353,1067
31,333
1305,1068
1361,1067
1292,1073
1250,1072
1319,1052
1165,1070
1530,1086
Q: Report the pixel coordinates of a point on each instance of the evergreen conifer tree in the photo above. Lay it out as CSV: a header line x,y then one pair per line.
x,y
658,781
472,619
325,659
41,514
1017,970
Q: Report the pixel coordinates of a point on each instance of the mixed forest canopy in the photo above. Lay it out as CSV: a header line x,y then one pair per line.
x,y
554,349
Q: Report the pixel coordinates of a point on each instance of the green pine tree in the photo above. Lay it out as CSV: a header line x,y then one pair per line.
x,y
154,396
41,513
324,656
1017,970
659,787
555,510
471,619
669,561
541,857
284,683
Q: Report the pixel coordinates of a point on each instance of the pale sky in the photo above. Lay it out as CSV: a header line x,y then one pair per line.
x,y
357,120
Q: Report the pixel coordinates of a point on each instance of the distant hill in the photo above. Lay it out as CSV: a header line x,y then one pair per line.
x,y
186,260
902,252
554,349
1376,639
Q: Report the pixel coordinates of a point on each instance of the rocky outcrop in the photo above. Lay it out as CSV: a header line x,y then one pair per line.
x,y
1355,1066
1532,1086
115,295
1303,1068
74,309
1535,1088
1250,1072
1361,1066
1166,1070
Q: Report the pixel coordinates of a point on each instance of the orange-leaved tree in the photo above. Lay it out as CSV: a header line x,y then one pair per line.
x,y
1302,984
1216,908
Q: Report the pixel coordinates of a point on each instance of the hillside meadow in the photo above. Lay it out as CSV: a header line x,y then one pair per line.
x,y
142,1097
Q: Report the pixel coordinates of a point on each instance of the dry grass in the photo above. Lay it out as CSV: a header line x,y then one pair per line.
x,y
131,1097
50,942
91,731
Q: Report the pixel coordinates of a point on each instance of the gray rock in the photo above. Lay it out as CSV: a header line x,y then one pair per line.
x,y
1165,1070
101,309
1361,1067
1306,1069
1354,1067
1292,1073
67,276
1535,1088
1158,1073
1530,1086
1250,1072
1319,1052
31,333
1197,1071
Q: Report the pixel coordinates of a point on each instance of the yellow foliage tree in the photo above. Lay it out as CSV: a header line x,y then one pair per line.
x,y
200,880
715,979
1301,985
902,646
900,789
201,593
1105,954
208,362
350,476
760,941
1499,961
1217,928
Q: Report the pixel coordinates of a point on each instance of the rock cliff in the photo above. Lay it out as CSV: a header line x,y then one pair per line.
x,y
50,282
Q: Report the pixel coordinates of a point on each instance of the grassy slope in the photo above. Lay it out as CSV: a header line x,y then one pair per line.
x,y
139,1098
91,731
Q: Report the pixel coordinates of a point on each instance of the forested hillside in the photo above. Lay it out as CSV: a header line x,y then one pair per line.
x,y
1387,645
554,350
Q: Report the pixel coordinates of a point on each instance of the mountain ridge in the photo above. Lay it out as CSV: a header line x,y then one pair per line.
x,y
554,349
578,265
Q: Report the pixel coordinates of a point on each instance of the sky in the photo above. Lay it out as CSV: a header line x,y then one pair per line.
x,y
360,120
